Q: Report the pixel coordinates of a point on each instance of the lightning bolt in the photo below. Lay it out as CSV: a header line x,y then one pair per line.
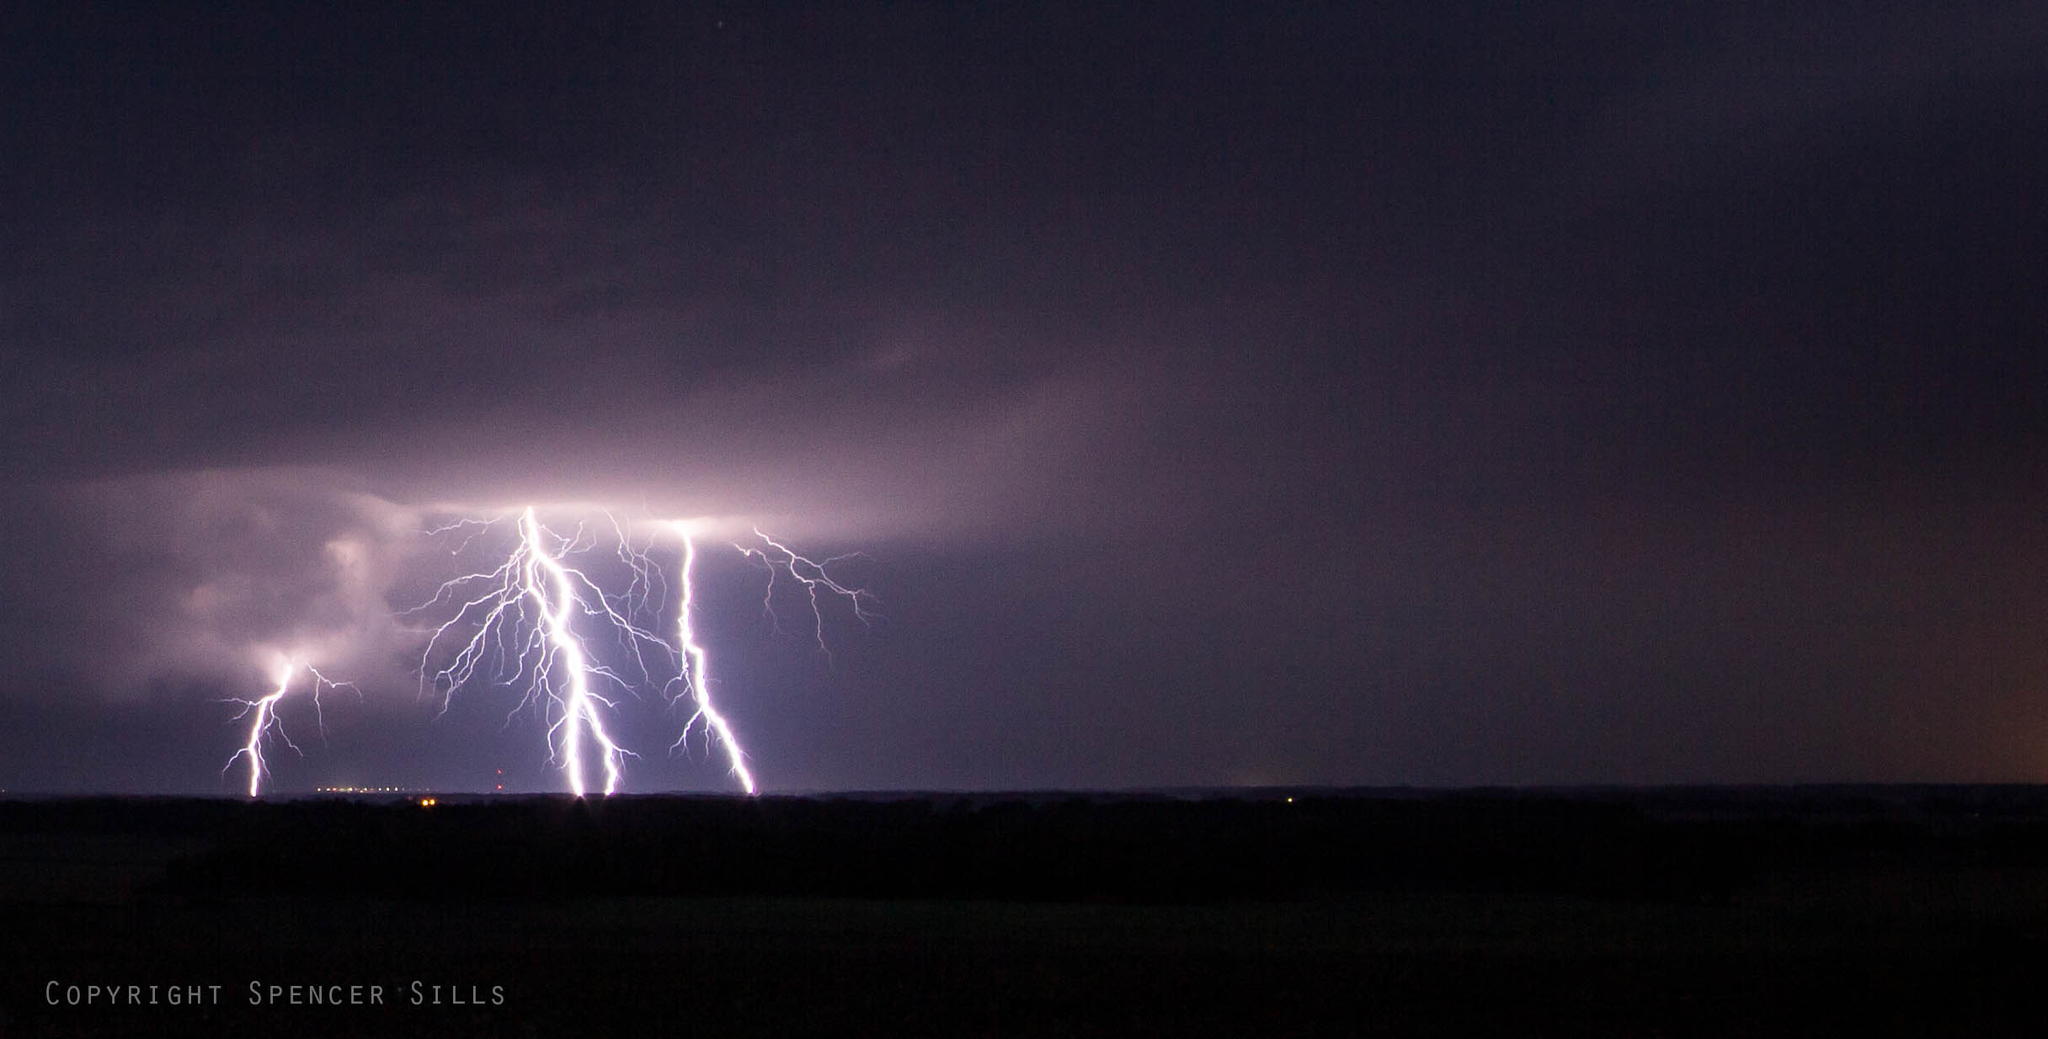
x,y
264,720
579,711
539,622
524,613
697,669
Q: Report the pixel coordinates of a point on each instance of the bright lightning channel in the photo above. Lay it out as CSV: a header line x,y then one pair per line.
x,y
697,670
265,720
517,623
524,613
580,705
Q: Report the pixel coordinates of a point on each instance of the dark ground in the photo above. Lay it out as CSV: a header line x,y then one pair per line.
x,y
1871,910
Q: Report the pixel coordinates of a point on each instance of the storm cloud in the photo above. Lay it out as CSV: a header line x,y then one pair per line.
x,y
1455,394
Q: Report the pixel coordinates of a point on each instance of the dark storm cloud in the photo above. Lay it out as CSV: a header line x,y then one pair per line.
x,y
1444,393
193,577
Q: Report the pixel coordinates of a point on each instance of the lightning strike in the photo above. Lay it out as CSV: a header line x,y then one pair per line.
x,y
579,712
525,613
540,622
697,670
265,720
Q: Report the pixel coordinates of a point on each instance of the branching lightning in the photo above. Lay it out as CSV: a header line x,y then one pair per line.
x,y
539,621
814,576
524,614
265,719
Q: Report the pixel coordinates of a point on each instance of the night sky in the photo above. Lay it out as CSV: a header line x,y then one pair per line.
x,y
1436,394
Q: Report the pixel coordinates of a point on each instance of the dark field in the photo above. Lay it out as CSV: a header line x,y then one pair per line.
x,y
1906,911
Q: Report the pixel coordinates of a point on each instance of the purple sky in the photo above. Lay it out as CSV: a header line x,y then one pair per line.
x,y
1386,394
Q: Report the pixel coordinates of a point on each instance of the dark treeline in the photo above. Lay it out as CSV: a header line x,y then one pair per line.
x,y
1696,846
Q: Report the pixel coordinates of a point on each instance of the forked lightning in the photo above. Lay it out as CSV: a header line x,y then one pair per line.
x,y
529,622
